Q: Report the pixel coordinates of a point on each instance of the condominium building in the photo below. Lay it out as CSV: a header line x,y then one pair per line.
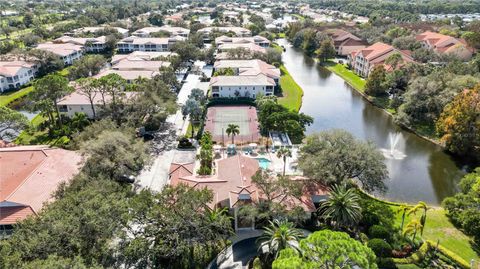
x,y
257,40
444,44
90,44
172,30
14,74
66,51
242,86
249,68
134,43
345,42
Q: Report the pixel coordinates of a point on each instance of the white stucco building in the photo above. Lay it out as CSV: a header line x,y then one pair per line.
x,y
77,102
90,44
14,74
134,43
242,86
66,51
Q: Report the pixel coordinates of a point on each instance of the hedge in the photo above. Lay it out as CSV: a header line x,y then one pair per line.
x,y
231,101
419,255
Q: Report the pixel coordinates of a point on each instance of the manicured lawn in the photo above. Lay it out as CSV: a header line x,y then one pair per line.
x,y
438,227
292,93
348,75
9,97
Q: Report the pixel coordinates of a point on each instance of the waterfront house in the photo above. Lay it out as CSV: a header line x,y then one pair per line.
x,y
257,40
242,86
249,68
364,60
345,42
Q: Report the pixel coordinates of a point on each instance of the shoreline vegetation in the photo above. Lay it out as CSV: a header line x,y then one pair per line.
x,y
291,91
358,84
452,241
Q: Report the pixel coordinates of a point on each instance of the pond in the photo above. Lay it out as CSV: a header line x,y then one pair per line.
x,y
419,170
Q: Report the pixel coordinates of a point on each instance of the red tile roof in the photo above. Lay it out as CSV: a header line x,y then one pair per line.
x,y
29,174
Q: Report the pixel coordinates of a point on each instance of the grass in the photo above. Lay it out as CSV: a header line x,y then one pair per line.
x,y
9,97
34,136
348,75
439,227
299,17
292,93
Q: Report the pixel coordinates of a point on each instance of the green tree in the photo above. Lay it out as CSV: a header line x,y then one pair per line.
x,y
233,130
47,92
206,154
11,123
326,50
375,85
458,125
46,61
327,249
192,109
88,87
342,209
279,235
155,19
114,154
178,231
412,228
394,60
463,208
89,65
335,157
224,72
284,153
420,206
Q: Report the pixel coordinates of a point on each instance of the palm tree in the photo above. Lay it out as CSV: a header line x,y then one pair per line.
x,y
342,208
421,206
412,228
404,209
284,153
233,129
79,121
279,235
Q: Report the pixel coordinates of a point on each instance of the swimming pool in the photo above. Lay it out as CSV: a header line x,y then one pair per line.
x,y
263,163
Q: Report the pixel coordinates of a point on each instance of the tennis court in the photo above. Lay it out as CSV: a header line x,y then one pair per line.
x,y
219,117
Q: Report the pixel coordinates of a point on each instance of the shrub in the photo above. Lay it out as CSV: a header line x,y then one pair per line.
x,y
386,263
377,231
381,248
184,143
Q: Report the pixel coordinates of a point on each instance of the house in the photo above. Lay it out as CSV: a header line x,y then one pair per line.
x,y
96,29
90,44
130,75
232,186
68,52
78,102
29,175
172,30
237,31
364,60
224,49
345,42
14,74
132,64
134,43
144,55
444,44
257,40
249,68
242,86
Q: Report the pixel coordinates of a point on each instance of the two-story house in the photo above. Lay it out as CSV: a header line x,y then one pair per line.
x,y
90,44
66,51
249,68
134,43
242,86
14,74
345,42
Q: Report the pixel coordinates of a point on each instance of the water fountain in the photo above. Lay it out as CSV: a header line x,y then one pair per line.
x,y
393,152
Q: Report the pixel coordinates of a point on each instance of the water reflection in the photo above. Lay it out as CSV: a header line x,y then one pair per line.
x,y
426,173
